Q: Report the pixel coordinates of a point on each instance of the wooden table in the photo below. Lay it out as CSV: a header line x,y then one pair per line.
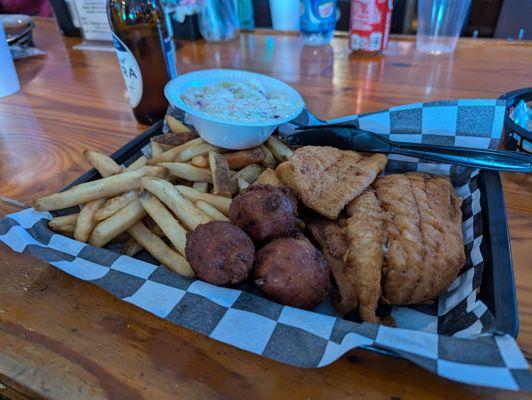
x,y
63,338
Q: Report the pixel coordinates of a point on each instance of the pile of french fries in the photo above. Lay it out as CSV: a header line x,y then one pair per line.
x,y
153,203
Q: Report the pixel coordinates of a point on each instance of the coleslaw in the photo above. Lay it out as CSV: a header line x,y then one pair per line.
x,y
242,101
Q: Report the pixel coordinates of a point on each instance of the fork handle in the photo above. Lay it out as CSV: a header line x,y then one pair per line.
x,y
477,158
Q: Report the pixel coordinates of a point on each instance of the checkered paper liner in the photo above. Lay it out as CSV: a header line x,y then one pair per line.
x,y
454,337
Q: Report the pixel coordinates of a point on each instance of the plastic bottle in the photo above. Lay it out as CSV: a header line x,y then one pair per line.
x,y
318,20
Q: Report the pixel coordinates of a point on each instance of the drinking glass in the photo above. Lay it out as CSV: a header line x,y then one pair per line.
x,y
9,83
439,24
218,20
285,15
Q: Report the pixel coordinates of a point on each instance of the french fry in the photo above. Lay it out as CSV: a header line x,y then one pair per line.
x,y
249,173
174,139
66,230
191,152
182,208
280,151
156,149
86,222
221,203
104,164
221,179
138,163
202,187
113,226
233,184
171,154
115,204
160,250
165,220
64,220
105,187
132,247
200,162
242,184
175,125
240,159
188,172
269,159
211,211
268,177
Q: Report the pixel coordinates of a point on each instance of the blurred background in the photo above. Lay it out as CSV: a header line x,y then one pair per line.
x,y
486,18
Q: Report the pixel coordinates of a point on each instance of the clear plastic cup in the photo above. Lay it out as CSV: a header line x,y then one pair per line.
x,y
9,83
218,20
285,15
439,24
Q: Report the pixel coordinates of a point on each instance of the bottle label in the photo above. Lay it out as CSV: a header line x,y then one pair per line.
x,y
318,15
130,71
326,10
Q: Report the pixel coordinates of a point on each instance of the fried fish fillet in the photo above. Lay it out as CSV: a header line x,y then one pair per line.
x,y
424,245
325,178
364,257
353,248
401,244
332,238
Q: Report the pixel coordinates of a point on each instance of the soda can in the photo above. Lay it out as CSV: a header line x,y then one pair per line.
x,y
369,25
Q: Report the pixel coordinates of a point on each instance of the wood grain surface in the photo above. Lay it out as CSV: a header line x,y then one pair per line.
x,y
62,338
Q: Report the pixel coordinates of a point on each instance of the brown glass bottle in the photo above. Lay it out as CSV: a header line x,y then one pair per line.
x,y
145,53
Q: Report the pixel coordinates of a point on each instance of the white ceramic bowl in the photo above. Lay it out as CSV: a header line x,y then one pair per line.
x,y
225,133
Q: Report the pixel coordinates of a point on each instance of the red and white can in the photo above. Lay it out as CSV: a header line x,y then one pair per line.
x,y
369,25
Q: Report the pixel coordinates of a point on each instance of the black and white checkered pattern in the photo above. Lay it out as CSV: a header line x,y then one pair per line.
x,y
453,337
468,122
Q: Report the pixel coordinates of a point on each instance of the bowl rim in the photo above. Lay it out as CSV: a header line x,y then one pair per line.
x,y
22,19
207,74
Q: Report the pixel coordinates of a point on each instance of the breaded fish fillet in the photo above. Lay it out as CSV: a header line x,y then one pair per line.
x,y
424,249
332,238
364,257
353,249
326,178
401,244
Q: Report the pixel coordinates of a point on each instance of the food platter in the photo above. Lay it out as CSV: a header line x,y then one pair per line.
x,y
469,324
497,289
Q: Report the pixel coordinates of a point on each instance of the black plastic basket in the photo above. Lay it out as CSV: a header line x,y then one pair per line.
x,y
497,290
515,136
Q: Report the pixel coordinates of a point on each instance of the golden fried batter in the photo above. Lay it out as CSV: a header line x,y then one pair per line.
x,y
401,244
424,250
326,178
363,260
353,249
332,238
